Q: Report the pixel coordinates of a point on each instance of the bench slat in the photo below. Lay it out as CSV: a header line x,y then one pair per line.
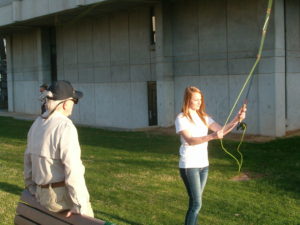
x,y
74,219
37,216
19,220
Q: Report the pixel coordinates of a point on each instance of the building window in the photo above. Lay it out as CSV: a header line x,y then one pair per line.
x,y
152,103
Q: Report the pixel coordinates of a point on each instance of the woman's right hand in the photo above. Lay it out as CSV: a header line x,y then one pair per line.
x,y
219,134
241,115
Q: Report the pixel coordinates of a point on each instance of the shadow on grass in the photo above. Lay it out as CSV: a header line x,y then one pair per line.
x,y
117,217
11,188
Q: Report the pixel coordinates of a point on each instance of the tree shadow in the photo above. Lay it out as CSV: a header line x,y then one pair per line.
x,y
11,188
117,217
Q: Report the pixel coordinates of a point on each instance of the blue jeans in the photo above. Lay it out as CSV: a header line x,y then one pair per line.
x,y
194,180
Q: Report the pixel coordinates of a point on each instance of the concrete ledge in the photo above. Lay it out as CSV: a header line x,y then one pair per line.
x,y
19,116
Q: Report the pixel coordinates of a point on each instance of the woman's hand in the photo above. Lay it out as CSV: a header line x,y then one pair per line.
x,y
242,113
219,134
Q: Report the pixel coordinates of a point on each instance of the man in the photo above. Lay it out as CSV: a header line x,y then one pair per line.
x,y
53,170
42,97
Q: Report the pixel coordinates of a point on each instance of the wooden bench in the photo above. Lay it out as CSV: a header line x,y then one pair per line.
x,y
30,212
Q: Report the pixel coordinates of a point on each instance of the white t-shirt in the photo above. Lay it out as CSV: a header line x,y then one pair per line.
x,y
193,156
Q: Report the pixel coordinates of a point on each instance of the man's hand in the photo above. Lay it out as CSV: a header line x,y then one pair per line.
x,y
70,213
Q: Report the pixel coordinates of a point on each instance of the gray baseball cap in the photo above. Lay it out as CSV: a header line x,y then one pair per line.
x,y
62,90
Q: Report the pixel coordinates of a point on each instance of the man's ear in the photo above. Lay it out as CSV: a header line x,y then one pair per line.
x,y
64,105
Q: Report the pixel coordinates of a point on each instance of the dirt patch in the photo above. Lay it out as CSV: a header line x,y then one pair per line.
x,y
293,133
246,176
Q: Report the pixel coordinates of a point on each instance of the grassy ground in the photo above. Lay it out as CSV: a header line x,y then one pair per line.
x,y
133,179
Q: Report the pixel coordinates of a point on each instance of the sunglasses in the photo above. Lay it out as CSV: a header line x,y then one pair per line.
x,y
74,100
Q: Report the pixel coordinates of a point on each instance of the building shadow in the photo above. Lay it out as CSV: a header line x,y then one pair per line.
x,y
11,188
117,218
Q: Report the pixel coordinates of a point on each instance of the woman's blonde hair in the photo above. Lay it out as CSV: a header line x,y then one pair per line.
x,y
188,93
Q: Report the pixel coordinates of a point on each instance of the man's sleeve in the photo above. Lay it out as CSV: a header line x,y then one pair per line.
x,y
29,184
70,154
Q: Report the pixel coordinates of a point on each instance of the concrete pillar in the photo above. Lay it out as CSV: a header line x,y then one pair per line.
x,y
164,66
272,119
43,56
16,10
279,63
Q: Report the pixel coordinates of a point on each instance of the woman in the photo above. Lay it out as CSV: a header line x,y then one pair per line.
x,y
192,124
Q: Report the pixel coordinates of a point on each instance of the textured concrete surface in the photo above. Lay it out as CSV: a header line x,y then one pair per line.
x,y
211,44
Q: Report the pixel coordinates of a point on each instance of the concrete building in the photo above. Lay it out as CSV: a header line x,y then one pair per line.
x,y
133,58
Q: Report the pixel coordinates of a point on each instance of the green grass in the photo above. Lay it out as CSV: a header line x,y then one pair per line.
x,y
133,179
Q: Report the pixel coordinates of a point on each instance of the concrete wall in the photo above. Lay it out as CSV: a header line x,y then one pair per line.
x,y
6,12
214,49
27,70
109,59
20,10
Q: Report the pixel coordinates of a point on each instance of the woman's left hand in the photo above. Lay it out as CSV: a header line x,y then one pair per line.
x,y
242,113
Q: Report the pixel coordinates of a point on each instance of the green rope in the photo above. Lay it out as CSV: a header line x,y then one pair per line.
x,y
109,223
264,31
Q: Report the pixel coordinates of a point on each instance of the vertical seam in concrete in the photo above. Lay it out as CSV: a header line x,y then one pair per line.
x,y
285,61
109,39
39,54
129,49
198,28
77,66
22,47
173,35
77,52
109,16
48,11
150,59
63,49
11,69
129,65
227,52
93,66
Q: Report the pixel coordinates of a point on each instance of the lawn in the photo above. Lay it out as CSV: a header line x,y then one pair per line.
x,y
133,178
